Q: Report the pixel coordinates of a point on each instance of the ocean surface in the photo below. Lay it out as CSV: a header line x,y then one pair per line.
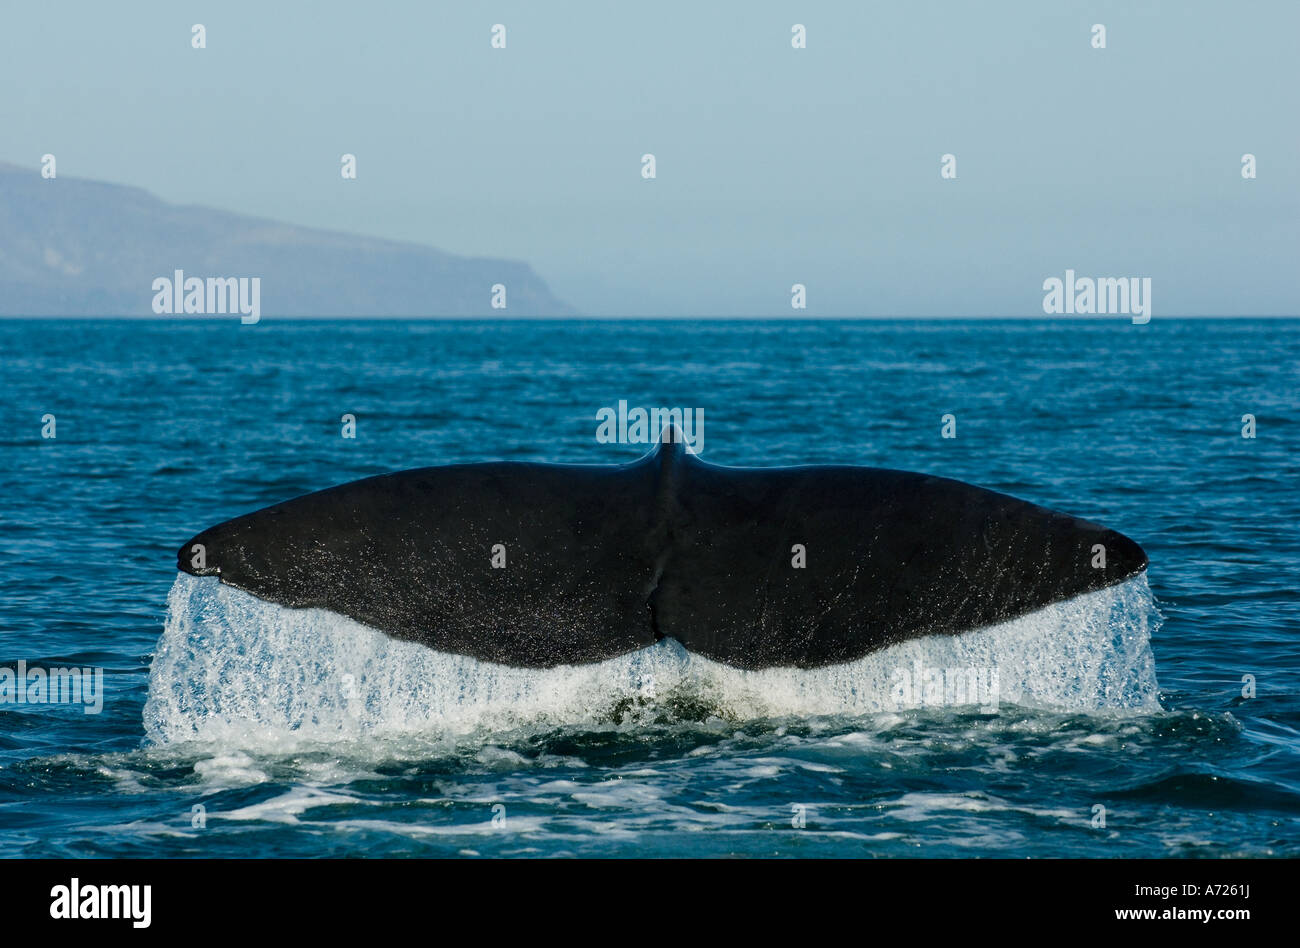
x,y
1157,718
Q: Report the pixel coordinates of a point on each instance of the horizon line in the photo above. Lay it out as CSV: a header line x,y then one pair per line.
x,y
1055,318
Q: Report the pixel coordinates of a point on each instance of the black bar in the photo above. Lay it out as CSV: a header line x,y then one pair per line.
x,y
867,898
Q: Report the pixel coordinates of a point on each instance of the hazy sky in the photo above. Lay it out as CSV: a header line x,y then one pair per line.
x,y
775,165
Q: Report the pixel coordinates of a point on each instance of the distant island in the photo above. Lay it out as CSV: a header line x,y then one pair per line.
x,y
72,247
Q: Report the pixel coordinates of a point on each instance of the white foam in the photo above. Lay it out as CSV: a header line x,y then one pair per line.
x,y
233,669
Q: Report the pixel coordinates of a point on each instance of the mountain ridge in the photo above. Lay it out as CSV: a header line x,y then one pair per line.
x,y
80,247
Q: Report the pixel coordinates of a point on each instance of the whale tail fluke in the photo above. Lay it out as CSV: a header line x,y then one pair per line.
x,y
539,565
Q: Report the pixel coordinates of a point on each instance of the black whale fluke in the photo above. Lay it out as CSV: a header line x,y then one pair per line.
x,y
601,560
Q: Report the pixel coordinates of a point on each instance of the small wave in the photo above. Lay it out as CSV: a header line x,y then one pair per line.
x,y
233,669
1215,791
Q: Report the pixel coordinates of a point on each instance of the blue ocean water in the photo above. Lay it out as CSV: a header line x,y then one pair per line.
x,y
1128,704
